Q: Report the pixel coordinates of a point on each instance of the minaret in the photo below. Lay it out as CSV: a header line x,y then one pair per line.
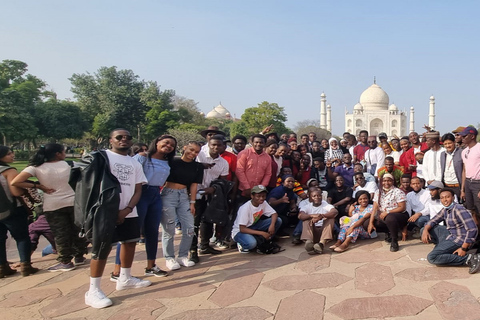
x,y
329,118
412,120
431,114
323,111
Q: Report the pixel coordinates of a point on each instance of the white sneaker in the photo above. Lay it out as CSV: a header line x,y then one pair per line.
x,y
131,283
184,261
172,264
97,299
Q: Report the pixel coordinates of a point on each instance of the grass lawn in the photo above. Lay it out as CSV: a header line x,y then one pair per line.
x,y
22,164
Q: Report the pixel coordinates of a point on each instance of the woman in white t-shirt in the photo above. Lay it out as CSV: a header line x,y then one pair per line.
x,y
48,165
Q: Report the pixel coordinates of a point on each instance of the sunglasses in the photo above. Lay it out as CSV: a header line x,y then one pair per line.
x,y
120,137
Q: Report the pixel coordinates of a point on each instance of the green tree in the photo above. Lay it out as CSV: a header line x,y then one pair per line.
x,y
257,118
188,111
19,94
307,126
184,136
60,119
160,116
111,98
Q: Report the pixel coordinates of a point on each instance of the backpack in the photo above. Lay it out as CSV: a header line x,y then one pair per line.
x,y
265,246
6,205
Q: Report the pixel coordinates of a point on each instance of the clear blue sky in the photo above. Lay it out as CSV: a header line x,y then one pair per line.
x,y
244,52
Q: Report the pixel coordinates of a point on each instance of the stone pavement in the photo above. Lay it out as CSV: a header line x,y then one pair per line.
x,y
365,282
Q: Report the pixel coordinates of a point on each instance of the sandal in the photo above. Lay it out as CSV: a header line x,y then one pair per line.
x,y
338,249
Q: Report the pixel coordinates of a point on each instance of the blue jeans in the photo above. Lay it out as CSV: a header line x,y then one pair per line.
x,y
176,207
17,224
422,221
442,254
298,229
149,210
247,241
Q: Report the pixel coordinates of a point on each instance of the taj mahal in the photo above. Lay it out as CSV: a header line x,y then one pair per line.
x,y
374,113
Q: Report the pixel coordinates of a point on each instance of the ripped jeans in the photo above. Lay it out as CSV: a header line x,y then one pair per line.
x,y
176,205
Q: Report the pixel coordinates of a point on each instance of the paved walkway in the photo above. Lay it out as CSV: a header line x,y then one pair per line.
x,y
365,282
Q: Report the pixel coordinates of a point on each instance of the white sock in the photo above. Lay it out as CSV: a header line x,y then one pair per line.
x,y
124,274
94,284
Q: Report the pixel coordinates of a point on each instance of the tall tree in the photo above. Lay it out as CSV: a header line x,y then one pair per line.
x,y
19,94
265,114
60,119
111,98
160,116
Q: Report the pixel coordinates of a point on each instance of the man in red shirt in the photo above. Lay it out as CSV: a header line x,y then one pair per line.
x,y
361,148
253,166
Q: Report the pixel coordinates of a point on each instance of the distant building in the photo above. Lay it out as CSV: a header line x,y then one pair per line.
x,y
373,113
219,112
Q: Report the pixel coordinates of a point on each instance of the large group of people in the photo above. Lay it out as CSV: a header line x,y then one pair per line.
x,y
246,195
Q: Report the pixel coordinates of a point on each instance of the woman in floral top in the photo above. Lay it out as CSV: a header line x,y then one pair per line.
x,y
389,205
358,213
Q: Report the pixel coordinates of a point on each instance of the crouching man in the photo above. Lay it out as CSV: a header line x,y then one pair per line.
x,y
453,240
255,218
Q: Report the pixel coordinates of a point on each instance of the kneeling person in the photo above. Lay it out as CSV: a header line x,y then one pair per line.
x,y
318,220
454,240
255,217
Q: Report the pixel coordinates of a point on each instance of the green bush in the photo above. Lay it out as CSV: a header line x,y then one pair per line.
x,y
23,154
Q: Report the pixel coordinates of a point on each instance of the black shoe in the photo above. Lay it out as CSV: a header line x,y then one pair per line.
x,y
194,256
296,239
388,238
474,264
209,250
394,246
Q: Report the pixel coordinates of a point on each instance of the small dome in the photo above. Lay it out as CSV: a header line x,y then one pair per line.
x,y
358,106
374,98
323,95
213,115
412,108
221,110
393,107
432,98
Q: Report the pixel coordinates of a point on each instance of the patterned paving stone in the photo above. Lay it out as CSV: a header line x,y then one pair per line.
x,y
72,302
308,263
380,307
29,297
304,305
374,278
367,245
171,290
243,313
358,256
148,310
455,301
434,273
312,281
236,288
264,261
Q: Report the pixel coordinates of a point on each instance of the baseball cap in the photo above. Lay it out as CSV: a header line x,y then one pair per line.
x,y
258,189
459,129
469,130
435,185
382,135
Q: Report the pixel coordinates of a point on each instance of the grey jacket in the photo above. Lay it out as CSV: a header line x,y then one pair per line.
x,y
457,164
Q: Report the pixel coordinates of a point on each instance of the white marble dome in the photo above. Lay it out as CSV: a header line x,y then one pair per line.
x,y
374,98
393,107
219,112
358,106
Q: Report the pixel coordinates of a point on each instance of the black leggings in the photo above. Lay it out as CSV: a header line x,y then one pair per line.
x,y
393,223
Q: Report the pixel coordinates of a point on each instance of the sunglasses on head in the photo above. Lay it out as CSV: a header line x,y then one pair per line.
x,y
120,137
